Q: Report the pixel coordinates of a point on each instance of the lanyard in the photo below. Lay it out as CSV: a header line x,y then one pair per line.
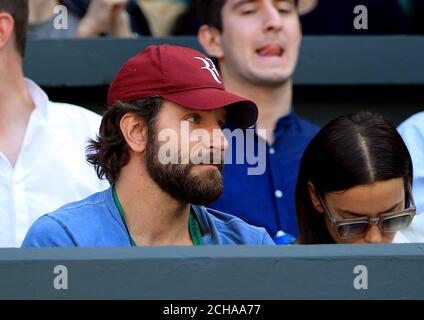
x,y
121,213
193,224
195,231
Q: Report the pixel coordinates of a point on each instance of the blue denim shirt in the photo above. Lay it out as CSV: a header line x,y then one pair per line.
x,y
268,199
95,221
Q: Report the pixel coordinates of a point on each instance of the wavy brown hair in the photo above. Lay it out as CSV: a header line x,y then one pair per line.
x,y
109,152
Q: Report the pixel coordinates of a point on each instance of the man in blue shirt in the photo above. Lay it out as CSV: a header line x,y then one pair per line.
x,y
161,147
257,44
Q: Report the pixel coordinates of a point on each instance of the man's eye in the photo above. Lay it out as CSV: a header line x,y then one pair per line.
x,y
247,12
194,119
285,7
283,10
247,9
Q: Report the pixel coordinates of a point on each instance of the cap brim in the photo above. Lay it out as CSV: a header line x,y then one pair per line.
x,y
242,112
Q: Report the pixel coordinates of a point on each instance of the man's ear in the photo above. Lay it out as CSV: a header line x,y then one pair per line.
x,y
210,39
134,131
314,197
6,28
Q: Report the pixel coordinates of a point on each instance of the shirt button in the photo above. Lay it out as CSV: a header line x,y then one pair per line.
x,y
271,150
278,193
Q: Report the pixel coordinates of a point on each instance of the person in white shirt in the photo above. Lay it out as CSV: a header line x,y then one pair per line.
x,y
414,233
412,132
42,144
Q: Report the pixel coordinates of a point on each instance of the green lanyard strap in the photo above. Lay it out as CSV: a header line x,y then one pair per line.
x,y
121,213
195,231
193,224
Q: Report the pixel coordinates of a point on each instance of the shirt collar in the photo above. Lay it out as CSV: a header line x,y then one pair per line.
x,y
286,121
38,96
283,123
201,214
199,211
113,209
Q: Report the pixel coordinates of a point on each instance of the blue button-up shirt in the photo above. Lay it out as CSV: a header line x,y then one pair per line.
x,y
267,200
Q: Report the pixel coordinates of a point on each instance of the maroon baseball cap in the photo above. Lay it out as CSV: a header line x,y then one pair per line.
x,y
183,76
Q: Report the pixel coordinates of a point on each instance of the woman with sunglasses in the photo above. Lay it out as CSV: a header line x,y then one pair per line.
x,y
354,183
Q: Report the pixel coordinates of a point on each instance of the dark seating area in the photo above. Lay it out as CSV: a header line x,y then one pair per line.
x,y
335,74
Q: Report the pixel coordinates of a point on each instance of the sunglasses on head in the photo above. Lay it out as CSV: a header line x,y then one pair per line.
x,y
357,227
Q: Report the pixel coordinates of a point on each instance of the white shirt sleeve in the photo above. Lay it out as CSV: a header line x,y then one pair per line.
x,y
412,132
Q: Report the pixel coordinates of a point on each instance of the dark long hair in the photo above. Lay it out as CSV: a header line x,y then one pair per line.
x,y
356,149
109,152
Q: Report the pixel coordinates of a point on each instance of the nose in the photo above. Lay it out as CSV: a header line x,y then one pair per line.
x,y
219,141
272,20
374,235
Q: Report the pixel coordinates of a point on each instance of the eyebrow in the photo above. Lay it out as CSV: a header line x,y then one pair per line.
x,y
242,2
360,215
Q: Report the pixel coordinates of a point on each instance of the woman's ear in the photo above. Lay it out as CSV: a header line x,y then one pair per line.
x,y
314,197
134,131
210,39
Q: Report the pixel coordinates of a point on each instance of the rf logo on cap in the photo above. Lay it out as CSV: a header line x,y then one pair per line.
x,y
209,65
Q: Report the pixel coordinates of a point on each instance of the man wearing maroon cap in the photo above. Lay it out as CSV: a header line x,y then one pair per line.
x,y
161,176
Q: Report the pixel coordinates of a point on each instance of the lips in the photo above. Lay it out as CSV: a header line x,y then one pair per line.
x,y
271,50
219,166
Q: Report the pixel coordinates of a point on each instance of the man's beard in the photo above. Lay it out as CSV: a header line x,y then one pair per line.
x,y
178,181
